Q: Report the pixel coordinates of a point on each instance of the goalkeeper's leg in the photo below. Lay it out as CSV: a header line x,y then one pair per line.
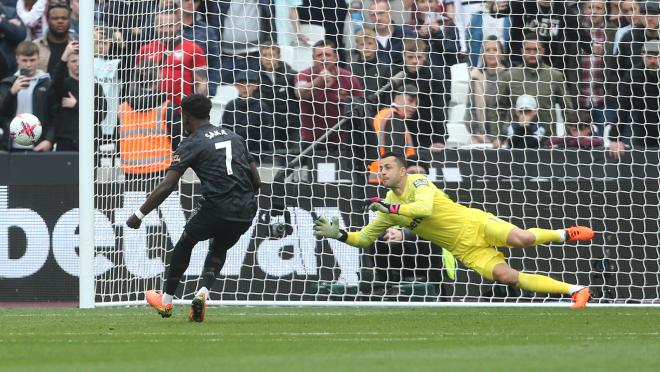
x,y
503,273
500,233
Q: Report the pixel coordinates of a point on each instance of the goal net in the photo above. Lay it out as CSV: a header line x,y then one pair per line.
x,y
542,113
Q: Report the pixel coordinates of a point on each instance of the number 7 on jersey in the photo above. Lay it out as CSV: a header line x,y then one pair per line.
x,y
227,146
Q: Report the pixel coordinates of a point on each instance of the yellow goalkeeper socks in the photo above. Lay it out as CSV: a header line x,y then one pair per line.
x,y
542,284
543,236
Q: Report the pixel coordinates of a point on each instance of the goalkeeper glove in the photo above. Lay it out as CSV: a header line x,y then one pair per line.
x,y
326,229
380,205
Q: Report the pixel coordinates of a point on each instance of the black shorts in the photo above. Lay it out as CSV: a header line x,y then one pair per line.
x,y
206,222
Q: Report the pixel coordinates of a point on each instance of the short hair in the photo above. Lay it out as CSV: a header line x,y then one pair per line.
x,y
269,44
531,36
197,105
414,45
27,48
366,33
58,5
399,157
325,44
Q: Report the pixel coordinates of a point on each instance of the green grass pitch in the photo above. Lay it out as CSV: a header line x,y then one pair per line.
x,y
318,339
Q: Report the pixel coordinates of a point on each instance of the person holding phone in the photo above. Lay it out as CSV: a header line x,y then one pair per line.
x,y
26,91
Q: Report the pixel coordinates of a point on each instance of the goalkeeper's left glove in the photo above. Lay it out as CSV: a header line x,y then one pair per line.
x,y
326,229
380,205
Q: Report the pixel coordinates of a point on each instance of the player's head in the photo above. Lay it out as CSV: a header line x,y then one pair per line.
x,y
195,111
392,169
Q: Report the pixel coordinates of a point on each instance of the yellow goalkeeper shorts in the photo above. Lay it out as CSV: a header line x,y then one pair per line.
x,y
483,232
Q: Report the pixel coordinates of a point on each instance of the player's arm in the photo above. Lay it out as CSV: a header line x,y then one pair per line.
x,y
256,179
361,239
160,193
420,208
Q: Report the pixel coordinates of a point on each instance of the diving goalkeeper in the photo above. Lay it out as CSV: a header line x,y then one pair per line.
x,y
470,234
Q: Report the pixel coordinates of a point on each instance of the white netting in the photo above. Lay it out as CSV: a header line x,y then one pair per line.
x,y
543,113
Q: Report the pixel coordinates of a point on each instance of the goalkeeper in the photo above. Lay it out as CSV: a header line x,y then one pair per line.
x,y
470,234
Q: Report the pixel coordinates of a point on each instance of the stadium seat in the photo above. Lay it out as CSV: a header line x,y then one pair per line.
x,y
299,58
223,96
457,132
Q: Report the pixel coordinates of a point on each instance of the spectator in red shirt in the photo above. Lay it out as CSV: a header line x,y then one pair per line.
x,y
321,89
178,58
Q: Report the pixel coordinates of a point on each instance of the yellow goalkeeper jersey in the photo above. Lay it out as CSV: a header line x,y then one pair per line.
x,y
429,212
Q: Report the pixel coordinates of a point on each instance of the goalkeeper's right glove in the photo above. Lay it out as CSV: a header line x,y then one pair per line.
x,y
326,229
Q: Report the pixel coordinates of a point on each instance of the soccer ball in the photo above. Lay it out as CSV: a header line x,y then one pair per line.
x,y
25,129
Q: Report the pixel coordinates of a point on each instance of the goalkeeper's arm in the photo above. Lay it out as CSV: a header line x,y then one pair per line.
x,y
361,239
420,208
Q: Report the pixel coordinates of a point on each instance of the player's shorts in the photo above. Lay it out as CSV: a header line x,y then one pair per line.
x,y
476,247
206,222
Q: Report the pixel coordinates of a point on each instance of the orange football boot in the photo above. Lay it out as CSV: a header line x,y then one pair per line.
x,y
155,300
198,308
576,233
580,298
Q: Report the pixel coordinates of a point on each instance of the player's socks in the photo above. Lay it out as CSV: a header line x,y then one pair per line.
x,y
542,284
167,299
543,236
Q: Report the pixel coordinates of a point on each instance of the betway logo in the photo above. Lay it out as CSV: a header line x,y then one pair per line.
x,y
134,243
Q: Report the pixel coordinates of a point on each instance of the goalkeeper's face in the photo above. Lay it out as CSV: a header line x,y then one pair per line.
x,y
392,172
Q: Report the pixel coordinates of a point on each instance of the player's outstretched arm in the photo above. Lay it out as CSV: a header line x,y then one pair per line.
x,y
361,239
160,193
420,208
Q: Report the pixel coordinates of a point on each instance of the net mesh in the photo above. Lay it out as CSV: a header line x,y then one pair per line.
x,y
542,113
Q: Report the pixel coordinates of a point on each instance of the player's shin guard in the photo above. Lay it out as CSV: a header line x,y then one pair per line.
x,y
543,236
179,263
542,284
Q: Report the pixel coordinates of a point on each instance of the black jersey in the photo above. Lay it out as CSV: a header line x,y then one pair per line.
x,y
220,159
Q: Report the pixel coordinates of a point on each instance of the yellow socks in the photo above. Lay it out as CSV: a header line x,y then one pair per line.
x,y
546,236
542,284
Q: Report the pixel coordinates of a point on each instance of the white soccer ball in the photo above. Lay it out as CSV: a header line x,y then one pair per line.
x,y
25,129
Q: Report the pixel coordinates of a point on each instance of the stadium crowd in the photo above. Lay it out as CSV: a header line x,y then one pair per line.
x,y
385,65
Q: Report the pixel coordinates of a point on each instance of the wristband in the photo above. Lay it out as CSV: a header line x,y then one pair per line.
x,y
393,208
138,214
343,235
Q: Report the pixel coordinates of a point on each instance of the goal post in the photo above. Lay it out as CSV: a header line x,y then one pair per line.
x,y
279,261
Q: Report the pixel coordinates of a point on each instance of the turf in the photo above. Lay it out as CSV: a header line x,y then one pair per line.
x,y
330,339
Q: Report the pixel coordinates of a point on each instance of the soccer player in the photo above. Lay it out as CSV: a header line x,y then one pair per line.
x,y
413,201
229,181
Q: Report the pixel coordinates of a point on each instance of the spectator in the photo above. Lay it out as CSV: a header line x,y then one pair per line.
x,y
75,17
482,25
391,131
149,128
287,23
433,93
248,116
33,15
632,43
373,75
555,23
431,24
592,67
179,58
482,115
539,80
63,100
56,39
12,32
389,37
277,88
107,73
244,24
525,131
24,92
195,29
580,136
461,12
631,14
638,103
321,89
